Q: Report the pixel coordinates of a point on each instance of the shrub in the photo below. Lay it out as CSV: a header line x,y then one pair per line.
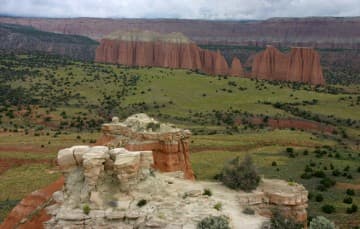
x,y
336,173
350,192
319,173
218,206
214,222
153,126
310,195
353,209
274,163
328,209
320,222
306,176
279,221
319,198
86,209
141,203
248,211
207,192
321,188
327,182
348,200
240,175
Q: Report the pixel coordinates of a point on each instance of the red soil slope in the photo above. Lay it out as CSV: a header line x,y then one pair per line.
x,y
19,217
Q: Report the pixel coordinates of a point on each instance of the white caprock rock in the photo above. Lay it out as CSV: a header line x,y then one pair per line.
x,y
71,157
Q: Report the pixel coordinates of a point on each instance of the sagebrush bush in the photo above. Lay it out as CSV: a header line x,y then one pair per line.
x,y
319,198
328,209
348,200
86,209
207,192
240,175
321,222
248,211
279,221
214,222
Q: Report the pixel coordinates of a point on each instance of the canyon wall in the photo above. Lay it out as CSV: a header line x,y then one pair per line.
x,y
144,49
321,32
300,65
23,39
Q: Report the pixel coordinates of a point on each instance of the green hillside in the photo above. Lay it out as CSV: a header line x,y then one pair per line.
x,y
47,36
48,102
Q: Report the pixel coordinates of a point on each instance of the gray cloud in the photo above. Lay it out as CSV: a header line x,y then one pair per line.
x,y
191,9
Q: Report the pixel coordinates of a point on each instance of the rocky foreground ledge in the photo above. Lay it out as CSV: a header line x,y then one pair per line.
x,y
115,187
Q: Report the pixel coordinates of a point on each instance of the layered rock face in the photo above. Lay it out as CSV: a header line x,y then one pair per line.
x,y
290,199
300,65
169,50
170,146
111,183
23,39
322,32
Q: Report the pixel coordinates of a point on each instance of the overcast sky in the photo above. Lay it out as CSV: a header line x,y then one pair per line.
x,y
190,9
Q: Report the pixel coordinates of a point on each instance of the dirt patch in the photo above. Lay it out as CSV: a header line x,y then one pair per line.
x,y
198,149
292,123
345,186
9,163
30,206
25,148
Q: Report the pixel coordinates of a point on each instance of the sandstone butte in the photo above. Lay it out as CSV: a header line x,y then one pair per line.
x,y
174,50
300,65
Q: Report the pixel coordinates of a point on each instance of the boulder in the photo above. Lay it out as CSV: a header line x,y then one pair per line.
x,y
66,159
93,164
127,168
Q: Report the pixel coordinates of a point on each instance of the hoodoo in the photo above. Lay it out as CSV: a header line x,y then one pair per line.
x,y
300,65
174,50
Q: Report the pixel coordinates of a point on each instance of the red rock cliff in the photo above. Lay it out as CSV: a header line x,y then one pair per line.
x,y
170,146
172,51
300,65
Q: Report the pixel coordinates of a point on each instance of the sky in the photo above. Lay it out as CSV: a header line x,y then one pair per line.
x,y
184,9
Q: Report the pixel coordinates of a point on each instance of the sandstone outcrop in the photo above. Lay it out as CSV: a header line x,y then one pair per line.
x,y
112,183
170,50
300,65
290,199
112,190
170,145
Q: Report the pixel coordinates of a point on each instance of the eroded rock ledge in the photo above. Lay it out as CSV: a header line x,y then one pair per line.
x,y
114,187
170,145
112,183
